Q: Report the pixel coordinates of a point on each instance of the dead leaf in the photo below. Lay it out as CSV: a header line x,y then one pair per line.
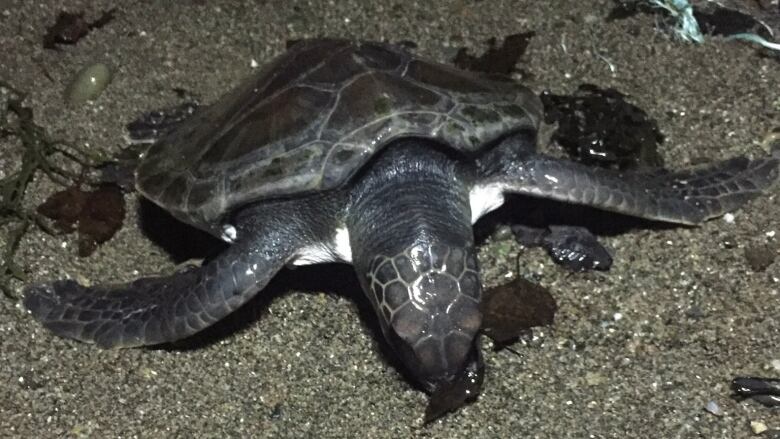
x,y
510,309
96,215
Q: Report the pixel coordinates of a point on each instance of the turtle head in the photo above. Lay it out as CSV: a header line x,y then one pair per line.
x,y
412,246
427,298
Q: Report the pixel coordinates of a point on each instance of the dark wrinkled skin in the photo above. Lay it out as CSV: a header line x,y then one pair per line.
x,y
403,219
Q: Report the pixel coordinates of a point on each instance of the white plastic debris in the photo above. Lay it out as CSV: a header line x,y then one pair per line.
x,y
758,427
713,408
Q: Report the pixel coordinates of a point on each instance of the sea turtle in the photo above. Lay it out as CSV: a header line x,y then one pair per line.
x,y
361,152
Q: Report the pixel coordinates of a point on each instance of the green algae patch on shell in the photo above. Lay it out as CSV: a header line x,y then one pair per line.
x,y
88,84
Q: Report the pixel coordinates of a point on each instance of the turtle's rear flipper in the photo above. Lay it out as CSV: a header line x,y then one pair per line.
x,y
120,170
685,197
572,247
155,310
151,125
764,390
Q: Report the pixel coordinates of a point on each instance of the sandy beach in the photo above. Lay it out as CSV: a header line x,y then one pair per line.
x,y
637,351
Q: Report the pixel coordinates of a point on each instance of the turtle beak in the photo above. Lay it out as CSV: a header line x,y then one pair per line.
x,y
434,379
465,382
456,391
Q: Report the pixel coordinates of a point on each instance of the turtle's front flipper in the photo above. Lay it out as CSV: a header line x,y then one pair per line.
x,y
155,310
685,197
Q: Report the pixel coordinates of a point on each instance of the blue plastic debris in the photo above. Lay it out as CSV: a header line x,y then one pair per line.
x,y
688,29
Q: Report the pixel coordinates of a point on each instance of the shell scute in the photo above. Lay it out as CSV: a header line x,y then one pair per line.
x,y
313,116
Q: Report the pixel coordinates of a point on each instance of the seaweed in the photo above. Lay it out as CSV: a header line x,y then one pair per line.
x,y
500,61
72,27
600,127
40,153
